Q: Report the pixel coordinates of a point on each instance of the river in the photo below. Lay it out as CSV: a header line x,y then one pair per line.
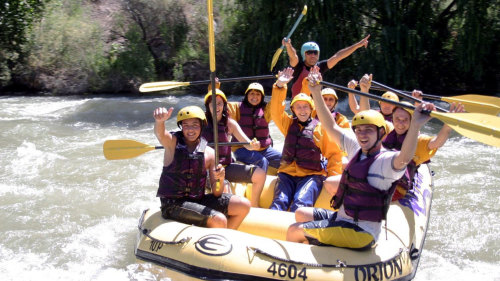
x,y
69,214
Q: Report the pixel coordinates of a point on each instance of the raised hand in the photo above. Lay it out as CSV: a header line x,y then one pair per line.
x,y
365,82
285,42
161,114
314,78
421,113
364,41
352,84
284,77
457,107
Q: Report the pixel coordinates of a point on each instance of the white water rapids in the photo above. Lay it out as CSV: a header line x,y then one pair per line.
x,y
68,214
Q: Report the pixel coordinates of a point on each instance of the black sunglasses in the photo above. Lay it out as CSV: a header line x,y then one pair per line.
x,y
312,52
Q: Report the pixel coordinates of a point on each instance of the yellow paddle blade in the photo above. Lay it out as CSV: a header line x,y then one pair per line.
x,y
275,58
480,127
479,98
124,149
161,86
211,35
477,103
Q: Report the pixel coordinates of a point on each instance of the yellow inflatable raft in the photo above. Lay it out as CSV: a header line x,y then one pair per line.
x,y
258,250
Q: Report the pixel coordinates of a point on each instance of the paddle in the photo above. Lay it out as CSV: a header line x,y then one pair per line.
x,y
280,49
167,85
403,94
126,149
211,51
472,103
480,127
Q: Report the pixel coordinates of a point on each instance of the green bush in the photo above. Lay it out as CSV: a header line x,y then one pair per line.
x,y
67,55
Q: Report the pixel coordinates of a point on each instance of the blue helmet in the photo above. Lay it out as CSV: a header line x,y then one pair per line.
x,y
308,46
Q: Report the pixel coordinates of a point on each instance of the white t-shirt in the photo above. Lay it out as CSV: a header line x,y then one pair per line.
x,y
381,175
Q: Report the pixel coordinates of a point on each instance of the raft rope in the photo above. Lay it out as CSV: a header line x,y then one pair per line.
x,y
182,241
340,263
146,232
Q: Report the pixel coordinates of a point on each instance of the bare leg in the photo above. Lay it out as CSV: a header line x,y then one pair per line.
x,y
331,184
258,180
295,233
304,214
237,211
217,221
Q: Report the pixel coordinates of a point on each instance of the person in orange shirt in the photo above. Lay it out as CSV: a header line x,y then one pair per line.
x,y
426,145
302,172
385,108
331,99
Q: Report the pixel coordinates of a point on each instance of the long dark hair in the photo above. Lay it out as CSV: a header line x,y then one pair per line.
x,y
247,103
208,113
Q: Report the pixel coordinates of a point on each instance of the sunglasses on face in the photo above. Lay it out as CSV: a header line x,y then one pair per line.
x,y
311,52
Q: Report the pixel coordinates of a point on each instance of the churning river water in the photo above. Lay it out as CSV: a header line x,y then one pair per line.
x,y
69,214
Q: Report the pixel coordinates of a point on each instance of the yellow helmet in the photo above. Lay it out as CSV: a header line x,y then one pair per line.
x,y
218,93
329,91
191,112
303,97
390,96
406,109
368,117
255,86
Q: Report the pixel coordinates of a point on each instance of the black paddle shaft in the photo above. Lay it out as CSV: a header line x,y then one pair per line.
x,y
260,77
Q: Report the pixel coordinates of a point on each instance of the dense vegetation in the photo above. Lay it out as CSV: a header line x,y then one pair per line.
x,y
95,46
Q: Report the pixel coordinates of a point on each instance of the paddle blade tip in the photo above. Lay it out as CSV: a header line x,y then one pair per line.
x,y
276,56
304,11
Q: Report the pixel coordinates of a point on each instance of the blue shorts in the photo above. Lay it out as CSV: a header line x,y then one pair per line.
x,y
195,212
325,229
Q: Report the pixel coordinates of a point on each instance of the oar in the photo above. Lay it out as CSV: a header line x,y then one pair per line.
x,y
126,149
167,85
477,126
211,52
402,94
280,49
472,103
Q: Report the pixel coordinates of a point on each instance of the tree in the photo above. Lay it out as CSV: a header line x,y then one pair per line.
x,y
16,17
164,28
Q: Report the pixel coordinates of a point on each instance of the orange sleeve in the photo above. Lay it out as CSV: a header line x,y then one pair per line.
x,y
234,110
423,153
330,150
342,121
305,87
278,114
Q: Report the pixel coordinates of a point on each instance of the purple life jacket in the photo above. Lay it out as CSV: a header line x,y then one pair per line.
x,y
386,117
254,125
299,146
395,141
334,115
186,176
224,151
361,200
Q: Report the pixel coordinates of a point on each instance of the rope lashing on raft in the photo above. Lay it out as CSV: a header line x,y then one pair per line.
x,y
146,232
340,263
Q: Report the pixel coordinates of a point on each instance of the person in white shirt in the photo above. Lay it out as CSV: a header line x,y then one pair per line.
x,y
366,186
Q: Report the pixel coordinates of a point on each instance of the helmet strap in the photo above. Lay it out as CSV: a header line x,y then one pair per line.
x,y
379,139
